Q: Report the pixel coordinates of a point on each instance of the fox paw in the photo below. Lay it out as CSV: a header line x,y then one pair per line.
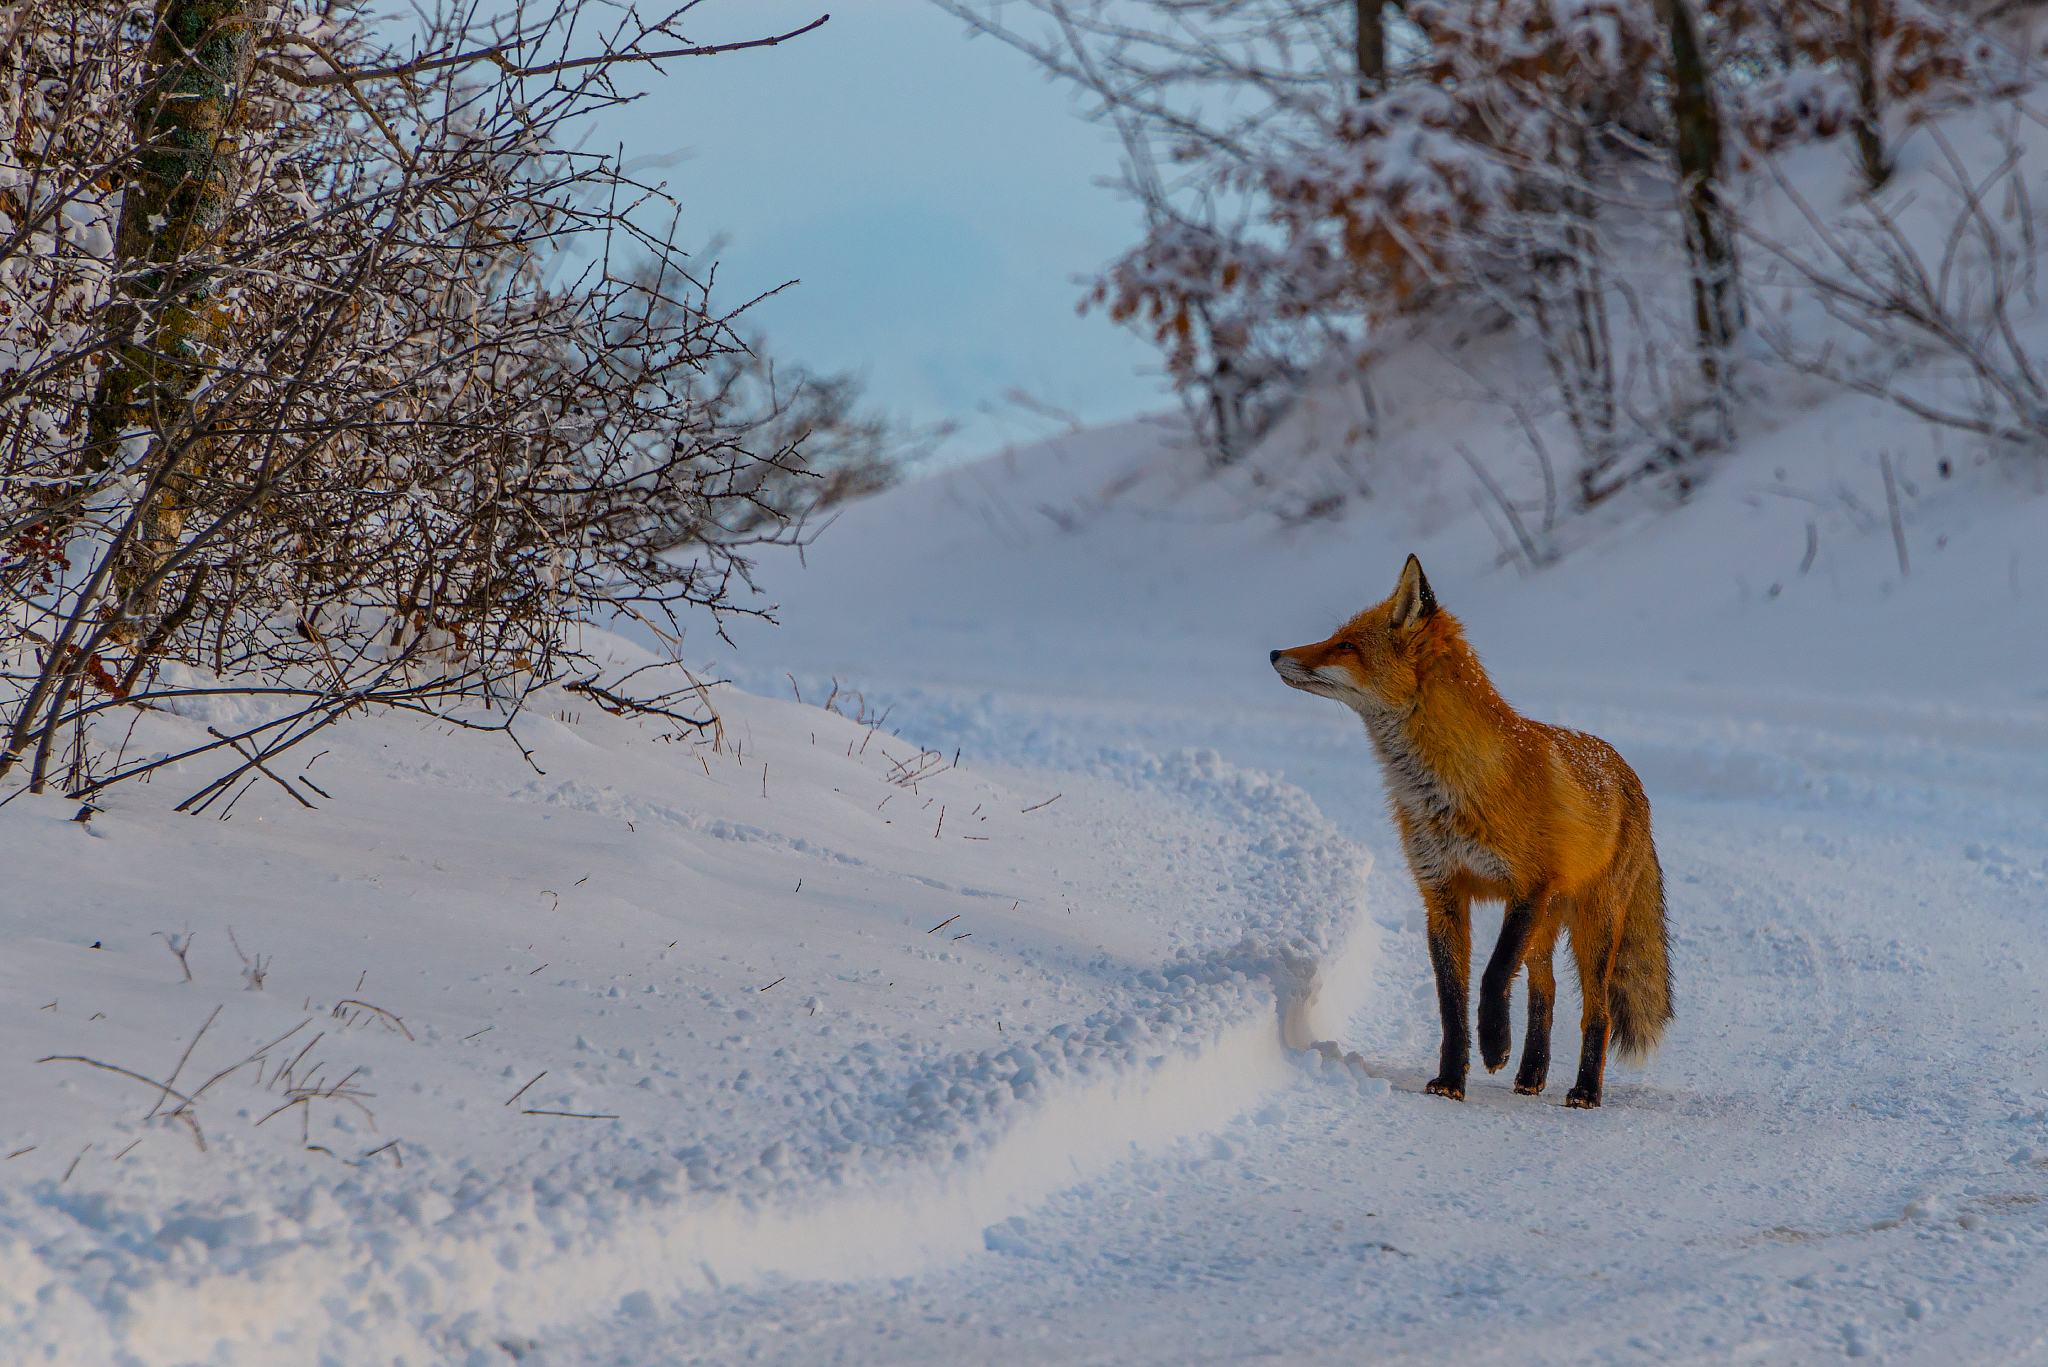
x,y
1581,1099
1440,1087
1494,1039
1528,1088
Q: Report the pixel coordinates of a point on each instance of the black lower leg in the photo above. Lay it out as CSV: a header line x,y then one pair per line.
x,y
1535,1069
1494,1039
1451,994
1592,1063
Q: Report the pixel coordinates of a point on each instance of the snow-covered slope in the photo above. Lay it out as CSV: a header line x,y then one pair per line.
x,y
642,1015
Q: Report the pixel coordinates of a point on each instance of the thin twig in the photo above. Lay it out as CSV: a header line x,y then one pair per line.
x,y
112,1068
181,1061
1537,558
264,769
391,1020
496,56
1891,498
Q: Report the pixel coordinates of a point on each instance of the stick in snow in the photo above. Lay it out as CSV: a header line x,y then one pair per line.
x,y
166,1084
1891,497
396,1156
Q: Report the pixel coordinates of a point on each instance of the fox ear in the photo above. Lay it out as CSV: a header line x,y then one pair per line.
x,y
1414,601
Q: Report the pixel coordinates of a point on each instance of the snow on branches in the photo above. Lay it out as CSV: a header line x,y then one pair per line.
x,y
1402,182
1824,67
302,393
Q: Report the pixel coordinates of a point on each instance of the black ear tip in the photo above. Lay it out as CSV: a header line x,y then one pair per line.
x,y
1274,658
1424,604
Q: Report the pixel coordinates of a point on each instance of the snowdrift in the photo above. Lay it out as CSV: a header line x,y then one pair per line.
x,y
631,1013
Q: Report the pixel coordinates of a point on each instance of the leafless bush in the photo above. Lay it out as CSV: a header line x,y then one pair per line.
x,y
1301,191
180,945
255,967
298,1074
852,704
1939,327
1202,97
302,401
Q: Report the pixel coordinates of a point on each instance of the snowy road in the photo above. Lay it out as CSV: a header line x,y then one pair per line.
x,y
1843,1150
1843,1147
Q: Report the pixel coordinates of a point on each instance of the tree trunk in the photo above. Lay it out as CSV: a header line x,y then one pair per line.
x,y
1718,312
174,213
1868,124
1372,48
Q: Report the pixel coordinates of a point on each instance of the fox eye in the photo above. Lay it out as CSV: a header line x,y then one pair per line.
x,y
1351,646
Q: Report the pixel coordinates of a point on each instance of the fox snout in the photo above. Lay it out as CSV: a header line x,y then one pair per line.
x,y
1290,668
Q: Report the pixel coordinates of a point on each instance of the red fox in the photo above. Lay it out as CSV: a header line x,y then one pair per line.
x,y
1494,807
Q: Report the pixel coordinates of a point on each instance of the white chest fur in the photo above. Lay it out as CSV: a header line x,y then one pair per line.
x,y
1436,843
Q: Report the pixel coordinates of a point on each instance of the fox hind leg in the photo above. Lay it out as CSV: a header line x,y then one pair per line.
x,y
1594,944
1535,1069
1450,954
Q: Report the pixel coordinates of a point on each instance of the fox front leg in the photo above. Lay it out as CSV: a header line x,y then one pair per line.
x,y
1450,954
1494,1037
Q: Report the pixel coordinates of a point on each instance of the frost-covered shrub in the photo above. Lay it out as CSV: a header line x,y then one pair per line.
x,y
1816,68
299,397
1402,183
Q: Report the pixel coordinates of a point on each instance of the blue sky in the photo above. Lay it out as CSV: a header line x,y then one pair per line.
x,y
935,196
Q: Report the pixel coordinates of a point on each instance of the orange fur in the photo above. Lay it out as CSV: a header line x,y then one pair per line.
x,y
1493,806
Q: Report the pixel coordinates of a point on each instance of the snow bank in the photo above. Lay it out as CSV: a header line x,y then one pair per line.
x,y
643,1015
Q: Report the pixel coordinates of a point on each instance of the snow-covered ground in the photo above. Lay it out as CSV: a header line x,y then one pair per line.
x,y
805,1123
641,1015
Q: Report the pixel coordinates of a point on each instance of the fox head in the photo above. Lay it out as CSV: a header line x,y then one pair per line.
x,y
1373,663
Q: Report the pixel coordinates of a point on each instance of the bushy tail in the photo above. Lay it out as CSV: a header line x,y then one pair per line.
x,y
1639,993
